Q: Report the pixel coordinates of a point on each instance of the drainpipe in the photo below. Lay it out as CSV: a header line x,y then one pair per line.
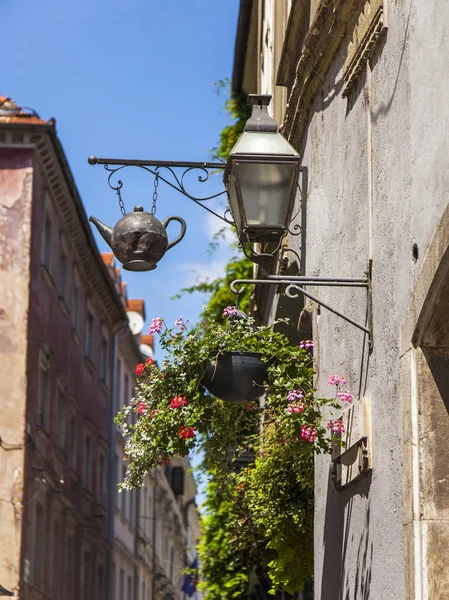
x,y
112,469
136,546
153,573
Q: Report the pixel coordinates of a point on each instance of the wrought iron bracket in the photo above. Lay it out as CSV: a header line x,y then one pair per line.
x,y
295,286
172,177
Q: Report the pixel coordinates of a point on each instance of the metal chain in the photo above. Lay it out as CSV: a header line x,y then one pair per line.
x,y
120,200
156,183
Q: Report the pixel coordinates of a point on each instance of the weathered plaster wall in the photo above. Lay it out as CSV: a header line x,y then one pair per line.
x,y
392,131
16,183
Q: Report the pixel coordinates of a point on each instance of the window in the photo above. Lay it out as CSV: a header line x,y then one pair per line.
x,y
56,562
145,505
127,396
44,390
100,583
130,588
89,335
124,492
70,564
75,301
63,275
39,543
131,506
118,385
114,582
117,479
87,479
104,360
46,242
60,417
87,576
122,584
72,440
101,478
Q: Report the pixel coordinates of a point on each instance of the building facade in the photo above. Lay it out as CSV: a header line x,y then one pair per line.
x,y
68,364
359,89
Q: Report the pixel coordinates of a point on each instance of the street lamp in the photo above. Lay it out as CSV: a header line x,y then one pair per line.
x,y
261,181
261,177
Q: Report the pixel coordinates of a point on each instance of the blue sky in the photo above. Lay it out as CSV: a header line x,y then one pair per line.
x,y
130,80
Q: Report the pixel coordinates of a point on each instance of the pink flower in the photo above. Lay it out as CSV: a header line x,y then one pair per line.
x,y
149,361
178,402
180,323
336,426
295,395
309,433
345,396
336,380
141,407
307,344
230,311
140,370
186,432
156,325
295,408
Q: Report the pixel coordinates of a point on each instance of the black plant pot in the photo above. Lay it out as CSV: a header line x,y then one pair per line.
x,y
237,377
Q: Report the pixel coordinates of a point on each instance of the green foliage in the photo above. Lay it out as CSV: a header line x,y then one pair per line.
x,y
224,571
219,289
261,518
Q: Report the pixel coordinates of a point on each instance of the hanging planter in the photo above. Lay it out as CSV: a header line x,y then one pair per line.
x,y
205,391
237,377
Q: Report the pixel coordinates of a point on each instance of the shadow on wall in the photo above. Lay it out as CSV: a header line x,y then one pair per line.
x,y
335,584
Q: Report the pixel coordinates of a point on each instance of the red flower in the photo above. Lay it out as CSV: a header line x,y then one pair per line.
x,y
140,370
178,402
141,407
186,432
149,361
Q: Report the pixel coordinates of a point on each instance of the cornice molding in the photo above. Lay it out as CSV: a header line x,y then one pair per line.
x,y
58,177
335,22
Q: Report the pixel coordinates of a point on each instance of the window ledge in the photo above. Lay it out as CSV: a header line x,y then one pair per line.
x,y
89,364
75,338
60,452
104,387
47,277
63,305
43,433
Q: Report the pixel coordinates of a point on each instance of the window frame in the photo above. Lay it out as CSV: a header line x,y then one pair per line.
x,y
44,404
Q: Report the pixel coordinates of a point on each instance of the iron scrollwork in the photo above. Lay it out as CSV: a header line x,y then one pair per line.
x,y
173,179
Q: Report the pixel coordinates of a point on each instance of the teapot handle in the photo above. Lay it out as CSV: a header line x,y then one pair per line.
x,y
183,230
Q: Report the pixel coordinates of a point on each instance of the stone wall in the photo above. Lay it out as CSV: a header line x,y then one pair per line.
x,y
378,182
16,184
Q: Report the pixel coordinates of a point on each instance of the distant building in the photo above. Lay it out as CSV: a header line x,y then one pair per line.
x,y
156,527
68,359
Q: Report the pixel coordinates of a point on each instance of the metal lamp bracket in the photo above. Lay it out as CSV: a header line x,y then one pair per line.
x,y
295,286
173,177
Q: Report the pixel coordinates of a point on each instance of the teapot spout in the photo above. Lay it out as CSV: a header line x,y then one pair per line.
x,y
105,231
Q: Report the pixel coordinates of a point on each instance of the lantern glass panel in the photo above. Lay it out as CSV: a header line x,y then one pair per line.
x,y
266,192
233,203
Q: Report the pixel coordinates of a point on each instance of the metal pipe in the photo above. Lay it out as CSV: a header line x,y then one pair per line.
x,y
94,160
293,284
324,305
317,280
153,573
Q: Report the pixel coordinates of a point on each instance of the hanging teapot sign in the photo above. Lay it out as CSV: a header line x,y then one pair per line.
x,y
139,240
